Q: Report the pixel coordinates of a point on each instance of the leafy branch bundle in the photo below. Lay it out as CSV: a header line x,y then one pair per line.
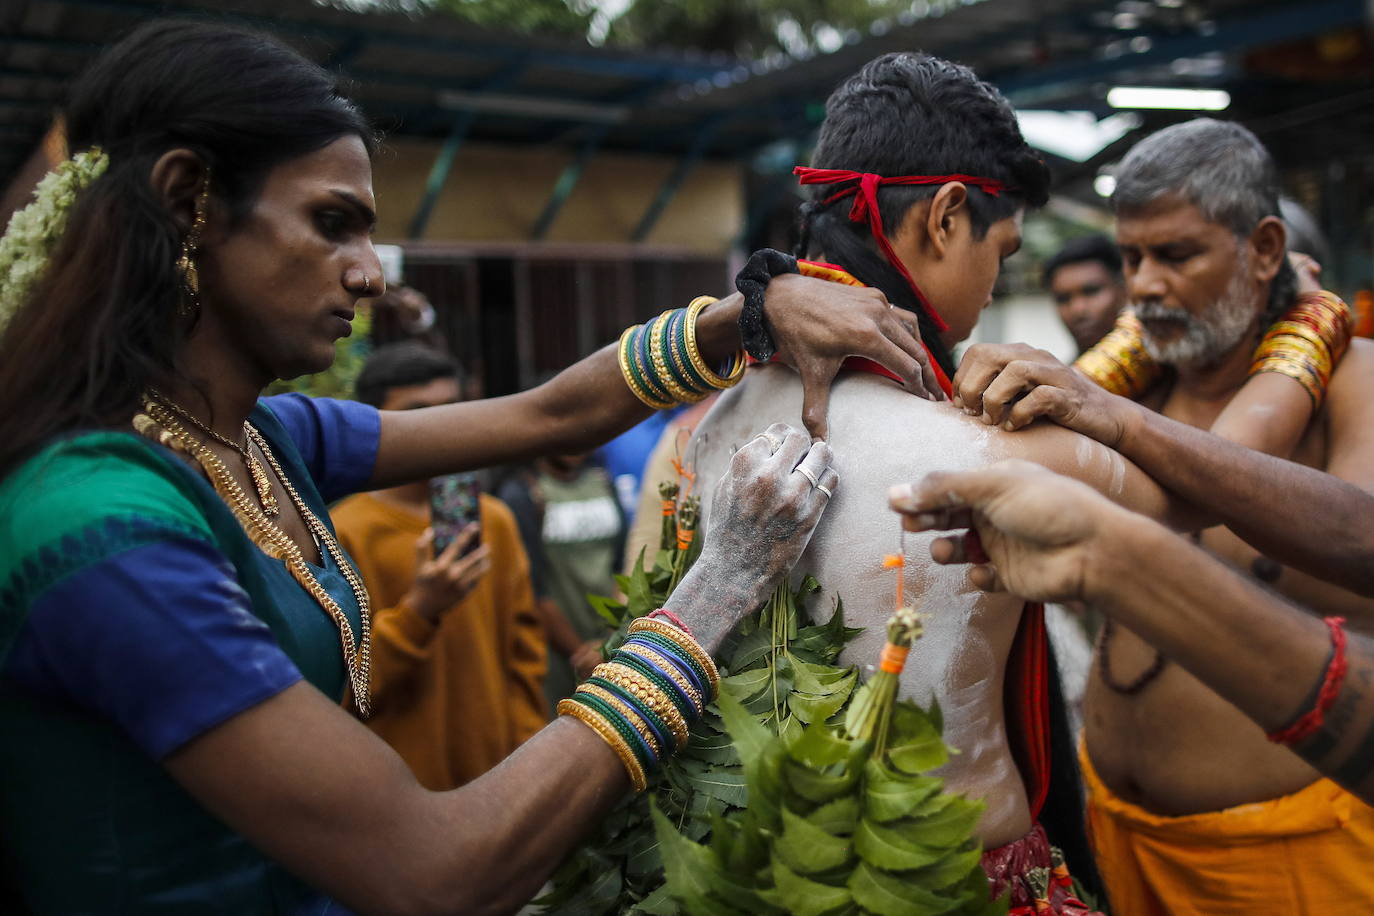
x,y
830,825
841,819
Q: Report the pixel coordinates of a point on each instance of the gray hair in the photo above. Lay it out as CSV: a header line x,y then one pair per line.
x,y
1219,167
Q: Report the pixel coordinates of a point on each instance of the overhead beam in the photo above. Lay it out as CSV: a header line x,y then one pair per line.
x,y
675,179
567,182
438,172
1244,30
443,163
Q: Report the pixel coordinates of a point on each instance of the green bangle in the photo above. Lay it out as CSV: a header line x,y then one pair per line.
x,y
664,642
671,690
644,362
651,718
668,346
681,357
623,728
633,378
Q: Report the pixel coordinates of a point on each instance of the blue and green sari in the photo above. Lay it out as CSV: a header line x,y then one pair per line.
x,y
135,615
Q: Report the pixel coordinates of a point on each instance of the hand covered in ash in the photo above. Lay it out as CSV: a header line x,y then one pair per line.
x,y
765,510
1029,531
1012,385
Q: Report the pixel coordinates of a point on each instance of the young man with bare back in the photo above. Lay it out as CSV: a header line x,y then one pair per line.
x,y
933,242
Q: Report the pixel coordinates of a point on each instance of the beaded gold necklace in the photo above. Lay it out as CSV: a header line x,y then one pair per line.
x,y
160,424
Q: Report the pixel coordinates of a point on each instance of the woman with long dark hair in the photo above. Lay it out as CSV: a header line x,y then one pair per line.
x,y
177,622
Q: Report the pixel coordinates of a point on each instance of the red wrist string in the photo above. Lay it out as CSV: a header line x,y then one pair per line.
x,y
1312,720
672,618
865,207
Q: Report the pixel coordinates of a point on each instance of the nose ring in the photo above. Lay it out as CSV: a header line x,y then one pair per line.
x,y
367,284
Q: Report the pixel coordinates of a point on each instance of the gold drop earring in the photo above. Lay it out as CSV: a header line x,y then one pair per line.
x,y
186,262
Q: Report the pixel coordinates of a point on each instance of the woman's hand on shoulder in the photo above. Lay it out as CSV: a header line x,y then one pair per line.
x,y
765,509
817,324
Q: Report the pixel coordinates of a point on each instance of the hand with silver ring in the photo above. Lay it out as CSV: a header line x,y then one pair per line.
x,y
764,511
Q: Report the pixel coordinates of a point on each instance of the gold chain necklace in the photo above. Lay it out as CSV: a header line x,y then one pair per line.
x,y
255,468
159,423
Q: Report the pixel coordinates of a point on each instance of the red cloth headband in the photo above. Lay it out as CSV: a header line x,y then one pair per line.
x,y
865,191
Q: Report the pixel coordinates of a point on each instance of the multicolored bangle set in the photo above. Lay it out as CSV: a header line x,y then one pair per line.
x,y
662,364
1119,362
643,701
1307,342
1305,345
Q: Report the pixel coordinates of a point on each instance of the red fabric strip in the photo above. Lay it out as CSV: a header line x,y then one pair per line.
x,y
865,207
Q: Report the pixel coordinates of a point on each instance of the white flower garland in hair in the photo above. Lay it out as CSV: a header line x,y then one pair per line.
x,y
34,230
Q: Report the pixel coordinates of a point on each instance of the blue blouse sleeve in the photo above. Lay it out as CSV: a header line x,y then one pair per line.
x,y
337,439
160,639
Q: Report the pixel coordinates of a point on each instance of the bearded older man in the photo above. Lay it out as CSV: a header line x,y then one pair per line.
x,y
1192,810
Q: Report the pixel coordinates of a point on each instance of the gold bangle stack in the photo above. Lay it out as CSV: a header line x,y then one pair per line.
x,y
699,655
1307,342
643,701
638,780
1119,362
662,363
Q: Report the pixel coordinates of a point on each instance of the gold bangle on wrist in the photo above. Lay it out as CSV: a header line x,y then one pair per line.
x,y
623,357
629,715
687,643
569,707
697,306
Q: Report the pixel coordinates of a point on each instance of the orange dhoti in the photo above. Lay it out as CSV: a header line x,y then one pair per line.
x,y
1306,853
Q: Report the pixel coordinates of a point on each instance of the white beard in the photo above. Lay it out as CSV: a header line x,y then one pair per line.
x,y
1206,339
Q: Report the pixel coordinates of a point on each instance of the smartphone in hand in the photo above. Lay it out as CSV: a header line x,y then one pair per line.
x,y
454,504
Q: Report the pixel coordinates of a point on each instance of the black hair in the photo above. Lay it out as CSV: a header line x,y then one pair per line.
x,y
913,114
101,324
1096,247
400,365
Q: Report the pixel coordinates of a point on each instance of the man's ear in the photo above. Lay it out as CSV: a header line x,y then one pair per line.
x,y
949,204
1268,247
177,179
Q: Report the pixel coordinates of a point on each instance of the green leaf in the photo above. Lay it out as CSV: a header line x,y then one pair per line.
x,y
818,787
816,708
749,737
889,796
746,685
750,649
893,851
727,785
954,867
888,895
808,849
804,897
820,747
915,746
638,592
608,609
692,872
839,817
659,903
950,826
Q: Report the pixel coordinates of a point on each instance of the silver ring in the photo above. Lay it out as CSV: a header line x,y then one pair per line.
x,y
808,474
824,489
367,284
773,442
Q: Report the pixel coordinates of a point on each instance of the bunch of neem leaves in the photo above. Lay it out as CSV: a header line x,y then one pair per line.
x,y
789,798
